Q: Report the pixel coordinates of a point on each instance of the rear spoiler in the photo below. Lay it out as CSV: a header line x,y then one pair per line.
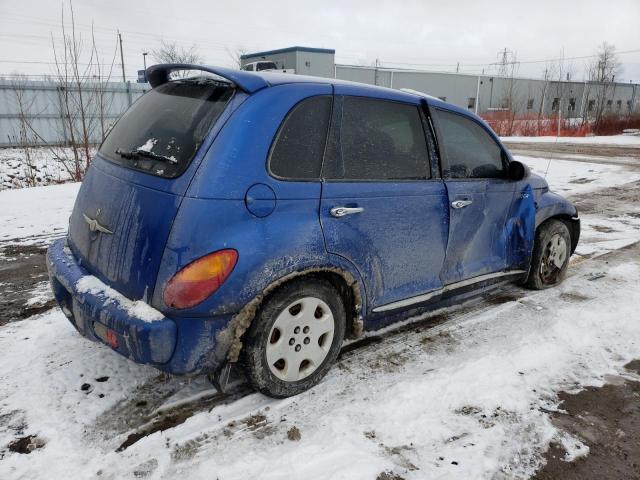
x,y
245,81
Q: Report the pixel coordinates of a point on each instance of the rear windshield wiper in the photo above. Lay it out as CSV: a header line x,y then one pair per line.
x,y
139,153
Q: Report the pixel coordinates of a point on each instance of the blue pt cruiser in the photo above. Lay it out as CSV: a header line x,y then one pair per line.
x,y
262,218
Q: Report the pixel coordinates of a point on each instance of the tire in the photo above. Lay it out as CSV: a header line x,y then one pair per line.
x,y
551,252
284,346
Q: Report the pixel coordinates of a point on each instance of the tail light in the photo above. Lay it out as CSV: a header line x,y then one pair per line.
x,y
199,279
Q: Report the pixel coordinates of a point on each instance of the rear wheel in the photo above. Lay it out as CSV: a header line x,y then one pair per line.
x,y
295,338
551,252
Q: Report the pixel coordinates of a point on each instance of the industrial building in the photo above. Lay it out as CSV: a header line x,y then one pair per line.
x,y
482,94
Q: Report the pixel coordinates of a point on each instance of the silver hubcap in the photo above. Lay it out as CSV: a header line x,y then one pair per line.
x,y
553,260
557,251
300,339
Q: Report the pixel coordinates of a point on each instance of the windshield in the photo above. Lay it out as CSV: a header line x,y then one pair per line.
x,y
266,66
161,133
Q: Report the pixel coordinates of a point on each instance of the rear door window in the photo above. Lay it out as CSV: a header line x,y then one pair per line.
x,y
378,140
161,133
299,146
469,150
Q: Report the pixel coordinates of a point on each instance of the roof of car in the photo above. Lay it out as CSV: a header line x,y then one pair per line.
x,y
251,82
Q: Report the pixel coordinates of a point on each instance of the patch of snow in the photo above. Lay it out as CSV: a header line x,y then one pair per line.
x,y
573,177
600,235
573,447
148,145
36,215
40,294
42,166
138,309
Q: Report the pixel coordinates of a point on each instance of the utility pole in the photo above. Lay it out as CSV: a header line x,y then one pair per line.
x,y
375,77
121,57
477,95
559,114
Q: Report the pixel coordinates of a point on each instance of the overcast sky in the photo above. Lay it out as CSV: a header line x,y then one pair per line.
x,y
431,35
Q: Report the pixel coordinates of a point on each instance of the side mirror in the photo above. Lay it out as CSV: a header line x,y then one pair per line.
x,y
517,171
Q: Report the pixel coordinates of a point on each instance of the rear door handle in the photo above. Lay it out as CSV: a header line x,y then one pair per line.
x,y
461,203
344,211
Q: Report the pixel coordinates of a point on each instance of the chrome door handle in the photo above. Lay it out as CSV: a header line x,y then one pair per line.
x,y
343,211
461,203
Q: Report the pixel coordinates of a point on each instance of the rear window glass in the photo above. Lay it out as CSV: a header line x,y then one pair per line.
x,y
379,140
161,133
299,146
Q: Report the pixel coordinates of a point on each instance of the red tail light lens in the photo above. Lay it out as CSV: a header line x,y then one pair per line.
x,y
199,279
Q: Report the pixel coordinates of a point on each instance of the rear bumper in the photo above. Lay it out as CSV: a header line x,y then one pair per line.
x,y
172,345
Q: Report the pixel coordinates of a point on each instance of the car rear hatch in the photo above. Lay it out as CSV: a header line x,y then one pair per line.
x,y
131,194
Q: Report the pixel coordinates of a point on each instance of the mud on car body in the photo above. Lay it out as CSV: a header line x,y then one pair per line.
x,y
261,218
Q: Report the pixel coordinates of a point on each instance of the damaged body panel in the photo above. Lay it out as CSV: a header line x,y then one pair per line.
x,y
214,192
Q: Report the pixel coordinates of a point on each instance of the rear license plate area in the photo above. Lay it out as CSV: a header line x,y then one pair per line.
x,y
107,335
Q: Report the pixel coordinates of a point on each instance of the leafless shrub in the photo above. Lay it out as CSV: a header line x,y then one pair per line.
x,y
171,52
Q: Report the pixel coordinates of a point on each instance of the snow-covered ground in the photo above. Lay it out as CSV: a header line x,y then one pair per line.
x,y
36,215
621,140
572,177
462,395
465,399
41,169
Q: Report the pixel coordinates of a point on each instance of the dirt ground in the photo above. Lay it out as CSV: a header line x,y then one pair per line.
x,y
22,268
609,154
607,420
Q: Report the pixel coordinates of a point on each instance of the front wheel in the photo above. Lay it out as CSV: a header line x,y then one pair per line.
x,y
551,252
295,338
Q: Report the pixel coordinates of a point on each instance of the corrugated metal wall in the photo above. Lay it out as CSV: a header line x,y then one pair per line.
x,y
492,92
41,110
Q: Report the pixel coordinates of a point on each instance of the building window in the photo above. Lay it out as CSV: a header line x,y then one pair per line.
x,y
609,103
307,63
619,105
556,104
530,104
591,105
471,104
572,105
444,99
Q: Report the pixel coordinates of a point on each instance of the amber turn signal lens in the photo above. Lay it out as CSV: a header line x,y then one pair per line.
x,y
199,279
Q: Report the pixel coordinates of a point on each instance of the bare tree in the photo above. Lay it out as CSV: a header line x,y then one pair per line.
x,y
82,100
102,82
602,72
549,73
24,136
236,56
171,52
511,102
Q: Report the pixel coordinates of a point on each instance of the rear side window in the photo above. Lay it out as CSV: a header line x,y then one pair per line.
x,y
297,151
469,150
379,140
161,133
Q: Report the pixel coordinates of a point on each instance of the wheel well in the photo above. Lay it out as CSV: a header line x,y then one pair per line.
x,y
344,283
572,223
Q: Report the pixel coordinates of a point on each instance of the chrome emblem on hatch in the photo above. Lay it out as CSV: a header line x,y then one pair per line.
x,y
94,225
